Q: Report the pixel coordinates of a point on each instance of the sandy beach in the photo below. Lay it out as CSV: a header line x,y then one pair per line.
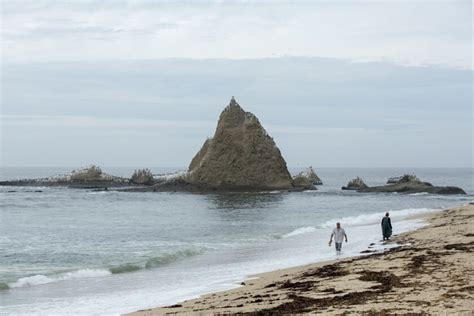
x,y
430,271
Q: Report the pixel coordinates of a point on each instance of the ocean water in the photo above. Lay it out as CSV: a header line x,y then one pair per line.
x,y
69,251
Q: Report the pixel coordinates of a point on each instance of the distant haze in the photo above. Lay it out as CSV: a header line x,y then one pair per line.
x,y
355,84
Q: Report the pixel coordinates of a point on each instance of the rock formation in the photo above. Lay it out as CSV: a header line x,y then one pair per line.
x,y
313,176
355,184
90,177
403,184
307,179
403,179
240,155
142,177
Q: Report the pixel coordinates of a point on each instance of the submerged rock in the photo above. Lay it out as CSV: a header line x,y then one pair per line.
x,y
240,156
355,184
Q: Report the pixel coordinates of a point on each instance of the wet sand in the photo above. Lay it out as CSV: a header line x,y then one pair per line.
x,y
430,272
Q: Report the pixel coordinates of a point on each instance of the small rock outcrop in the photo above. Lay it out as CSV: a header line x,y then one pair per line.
x,y
403,179
90,177
403,184
91,173
240,155
142,177
355,184
307,179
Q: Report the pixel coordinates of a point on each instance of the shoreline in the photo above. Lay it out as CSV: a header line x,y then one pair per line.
x,y
396,280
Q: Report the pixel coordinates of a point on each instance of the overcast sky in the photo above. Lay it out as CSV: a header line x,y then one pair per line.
x,y
142,83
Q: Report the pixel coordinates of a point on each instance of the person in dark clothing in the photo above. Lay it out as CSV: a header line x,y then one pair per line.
x,y
386,227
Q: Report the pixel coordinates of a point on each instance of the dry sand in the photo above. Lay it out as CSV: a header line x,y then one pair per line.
x,y
432,272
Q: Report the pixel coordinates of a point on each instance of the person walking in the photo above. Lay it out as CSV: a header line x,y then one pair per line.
x,y
339,234
386,227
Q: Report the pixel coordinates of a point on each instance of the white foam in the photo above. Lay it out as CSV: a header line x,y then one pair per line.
x,y
419,193
171,176
40,279
300,231
368,219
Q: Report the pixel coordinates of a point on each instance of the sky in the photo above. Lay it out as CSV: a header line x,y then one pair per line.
x,y
142,83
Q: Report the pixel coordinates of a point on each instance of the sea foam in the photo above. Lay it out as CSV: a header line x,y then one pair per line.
x,y
359,220
154,262
300,231
40,279
374,218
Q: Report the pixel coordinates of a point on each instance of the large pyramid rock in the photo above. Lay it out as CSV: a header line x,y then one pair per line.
x,y
241,155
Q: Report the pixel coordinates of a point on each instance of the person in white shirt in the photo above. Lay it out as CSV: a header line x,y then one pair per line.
x,y
339,235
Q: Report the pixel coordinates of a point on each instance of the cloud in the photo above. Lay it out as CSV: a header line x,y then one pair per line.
x,y
128,125
323,112
410,33
97,122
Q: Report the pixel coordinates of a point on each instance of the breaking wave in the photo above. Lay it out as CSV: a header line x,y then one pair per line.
x,y
167,259
154,262
40,279
124,268
368,219
358,220
300,231
3,286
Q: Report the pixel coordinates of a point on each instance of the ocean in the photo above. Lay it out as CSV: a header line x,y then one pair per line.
x,y
71,251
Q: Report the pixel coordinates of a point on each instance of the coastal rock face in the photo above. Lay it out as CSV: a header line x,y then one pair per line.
x,y
355,184
241,155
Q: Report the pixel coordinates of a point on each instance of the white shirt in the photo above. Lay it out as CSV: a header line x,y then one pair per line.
x,y
338,234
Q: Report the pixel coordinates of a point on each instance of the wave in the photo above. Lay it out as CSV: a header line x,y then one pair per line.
x,y
155,261
419,193
167,259
40,279
300,231
124,268
375,218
